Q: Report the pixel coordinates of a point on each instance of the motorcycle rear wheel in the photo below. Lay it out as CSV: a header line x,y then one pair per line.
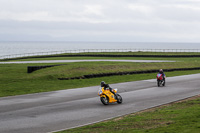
x,y
158,83
104,100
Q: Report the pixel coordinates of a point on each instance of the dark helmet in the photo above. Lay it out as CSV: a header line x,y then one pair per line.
x,y
161,71
102,83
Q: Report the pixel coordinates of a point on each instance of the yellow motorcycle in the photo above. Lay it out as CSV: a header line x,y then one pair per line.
x,y
107,97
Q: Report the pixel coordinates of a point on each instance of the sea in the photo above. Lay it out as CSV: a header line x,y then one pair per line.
x,y
12,48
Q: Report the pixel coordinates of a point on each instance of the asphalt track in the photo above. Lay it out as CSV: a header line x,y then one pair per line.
x,y
69,61
54,111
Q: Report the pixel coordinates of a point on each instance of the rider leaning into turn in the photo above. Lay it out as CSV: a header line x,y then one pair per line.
x,y
163,74
103,84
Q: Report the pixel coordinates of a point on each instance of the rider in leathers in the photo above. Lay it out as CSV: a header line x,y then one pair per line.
x,y
163,74
103,84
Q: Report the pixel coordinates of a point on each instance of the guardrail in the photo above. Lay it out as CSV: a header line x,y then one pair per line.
x,y
96,50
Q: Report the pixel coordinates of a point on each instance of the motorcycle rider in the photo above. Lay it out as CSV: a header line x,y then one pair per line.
x,y
163,74
103,84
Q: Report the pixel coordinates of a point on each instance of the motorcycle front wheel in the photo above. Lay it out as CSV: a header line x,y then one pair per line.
x,y
104,100
158,83
119,99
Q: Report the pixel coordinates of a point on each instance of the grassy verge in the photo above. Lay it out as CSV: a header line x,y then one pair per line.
x,y
179,117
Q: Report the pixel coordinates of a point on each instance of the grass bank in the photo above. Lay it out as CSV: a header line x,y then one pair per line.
x,y
16,81
178,117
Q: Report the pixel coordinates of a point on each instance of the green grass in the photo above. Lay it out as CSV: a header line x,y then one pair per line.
x,y
182,117
84,68
14,79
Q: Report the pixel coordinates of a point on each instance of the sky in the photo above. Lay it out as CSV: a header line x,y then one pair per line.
x,y
100,20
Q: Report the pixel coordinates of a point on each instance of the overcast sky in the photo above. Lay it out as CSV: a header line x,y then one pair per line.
x,y
100,20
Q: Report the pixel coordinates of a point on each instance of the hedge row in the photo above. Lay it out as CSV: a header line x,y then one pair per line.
x,y
31,69
127,73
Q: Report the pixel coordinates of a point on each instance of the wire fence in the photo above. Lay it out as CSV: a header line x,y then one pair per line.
x,y
95,50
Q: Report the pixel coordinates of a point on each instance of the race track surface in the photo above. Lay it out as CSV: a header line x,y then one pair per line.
x,y
53,111
69,61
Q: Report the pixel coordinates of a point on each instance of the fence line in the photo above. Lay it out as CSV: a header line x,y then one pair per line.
x,y
96,50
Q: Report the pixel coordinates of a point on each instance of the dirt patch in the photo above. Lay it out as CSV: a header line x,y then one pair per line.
x,y
119,118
